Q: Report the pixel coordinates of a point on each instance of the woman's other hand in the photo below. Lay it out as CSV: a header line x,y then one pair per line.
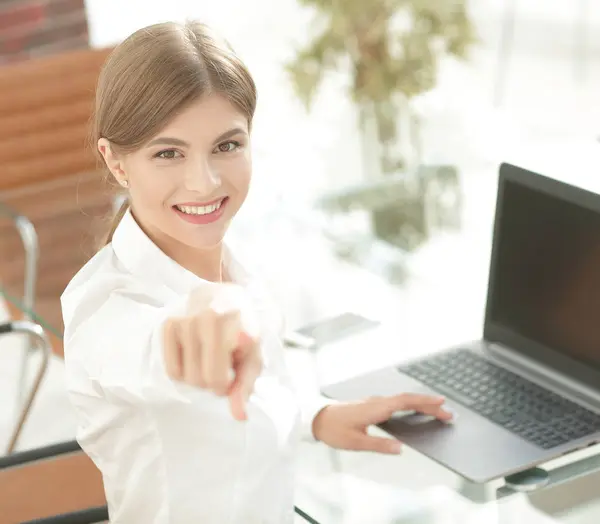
x,y
344,426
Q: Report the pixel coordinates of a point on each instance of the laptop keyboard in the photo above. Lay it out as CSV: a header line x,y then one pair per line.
x,y
524,408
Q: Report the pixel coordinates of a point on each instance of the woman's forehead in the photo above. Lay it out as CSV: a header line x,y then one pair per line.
x,y
207,117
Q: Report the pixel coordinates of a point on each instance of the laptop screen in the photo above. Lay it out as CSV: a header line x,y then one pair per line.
x,y
546,273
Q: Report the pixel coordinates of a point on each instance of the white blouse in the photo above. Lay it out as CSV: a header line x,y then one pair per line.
x,y
170,453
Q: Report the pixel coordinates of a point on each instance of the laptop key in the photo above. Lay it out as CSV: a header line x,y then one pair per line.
x,y
453,394
499,417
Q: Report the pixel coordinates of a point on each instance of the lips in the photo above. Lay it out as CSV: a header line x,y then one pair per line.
x,y
201,213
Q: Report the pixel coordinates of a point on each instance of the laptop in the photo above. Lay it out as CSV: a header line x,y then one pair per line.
x,y
529,390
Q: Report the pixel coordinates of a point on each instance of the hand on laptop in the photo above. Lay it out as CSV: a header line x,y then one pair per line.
x,y
345,425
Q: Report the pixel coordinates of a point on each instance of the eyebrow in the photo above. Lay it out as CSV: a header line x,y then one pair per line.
x,y
167,141
172,141
228,134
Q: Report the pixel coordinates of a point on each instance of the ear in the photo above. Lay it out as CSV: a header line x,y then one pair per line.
x,y
113,161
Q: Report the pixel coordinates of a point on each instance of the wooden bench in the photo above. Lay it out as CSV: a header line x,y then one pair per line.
x,y
48,172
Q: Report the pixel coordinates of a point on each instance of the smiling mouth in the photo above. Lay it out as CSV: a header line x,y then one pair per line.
x,y
206,209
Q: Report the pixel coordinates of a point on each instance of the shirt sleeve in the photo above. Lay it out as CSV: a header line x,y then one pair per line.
x,y
310,408
113,342
310,403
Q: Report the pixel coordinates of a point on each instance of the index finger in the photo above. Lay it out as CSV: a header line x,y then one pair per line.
x,y
247,366
428,404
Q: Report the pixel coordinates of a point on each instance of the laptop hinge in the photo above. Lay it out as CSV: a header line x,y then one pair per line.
x,y
543,374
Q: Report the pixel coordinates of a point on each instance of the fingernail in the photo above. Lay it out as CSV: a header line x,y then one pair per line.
x,y
395,447
452,413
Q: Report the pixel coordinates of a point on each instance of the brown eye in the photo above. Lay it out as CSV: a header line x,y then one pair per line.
x,y
228,147
167,154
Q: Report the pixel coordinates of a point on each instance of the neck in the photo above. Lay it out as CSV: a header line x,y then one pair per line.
x,y
204,263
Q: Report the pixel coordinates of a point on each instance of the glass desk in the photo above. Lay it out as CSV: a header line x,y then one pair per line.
x,y
410,488
355,488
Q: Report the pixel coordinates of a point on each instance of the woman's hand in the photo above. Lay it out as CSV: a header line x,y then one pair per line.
x,y
212,347
344,426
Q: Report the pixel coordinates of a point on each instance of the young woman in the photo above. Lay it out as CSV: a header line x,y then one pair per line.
x,y
173,355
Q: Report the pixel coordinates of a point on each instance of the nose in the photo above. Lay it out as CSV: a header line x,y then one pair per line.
x,y
203,178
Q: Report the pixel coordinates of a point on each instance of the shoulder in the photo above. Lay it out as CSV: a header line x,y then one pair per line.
x,y
96,278
101,265
101,279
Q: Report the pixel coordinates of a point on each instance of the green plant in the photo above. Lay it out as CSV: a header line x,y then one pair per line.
x,y
390,48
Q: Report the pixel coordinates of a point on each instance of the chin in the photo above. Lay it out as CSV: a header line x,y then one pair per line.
x,y
202,236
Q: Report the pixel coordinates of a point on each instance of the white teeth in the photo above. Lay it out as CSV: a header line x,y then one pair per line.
x,y
200,210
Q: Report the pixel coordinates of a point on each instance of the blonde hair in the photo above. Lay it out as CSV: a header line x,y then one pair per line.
x,y
153,75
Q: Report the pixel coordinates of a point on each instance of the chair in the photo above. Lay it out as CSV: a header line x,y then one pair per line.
x,y
49,189
36,333
29,238
49,175
57,483
61,486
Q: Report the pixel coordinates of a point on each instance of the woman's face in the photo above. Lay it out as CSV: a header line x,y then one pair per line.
x,y
189,181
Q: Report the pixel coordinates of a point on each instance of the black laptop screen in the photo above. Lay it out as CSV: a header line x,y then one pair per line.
x,y
546,276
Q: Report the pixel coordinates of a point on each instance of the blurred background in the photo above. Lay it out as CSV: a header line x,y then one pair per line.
x,y
377,140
